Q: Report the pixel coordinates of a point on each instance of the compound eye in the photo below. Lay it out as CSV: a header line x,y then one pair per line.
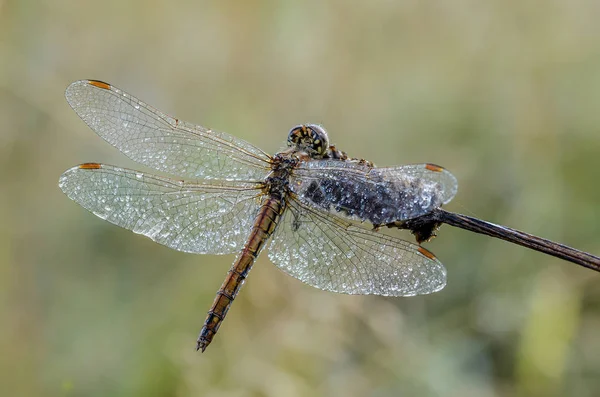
x,y
311,138
320,140
295,135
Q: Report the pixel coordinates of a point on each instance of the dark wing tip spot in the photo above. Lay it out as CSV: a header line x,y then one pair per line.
x,y
99,84
434,167
426,253
90,166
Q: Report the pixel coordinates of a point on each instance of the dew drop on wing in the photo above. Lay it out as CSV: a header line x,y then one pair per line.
x,y
100,215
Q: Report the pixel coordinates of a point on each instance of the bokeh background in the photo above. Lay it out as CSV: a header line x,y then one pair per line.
x,y
505,94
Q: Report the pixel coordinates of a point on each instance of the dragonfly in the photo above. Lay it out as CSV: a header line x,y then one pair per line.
x,y
319,210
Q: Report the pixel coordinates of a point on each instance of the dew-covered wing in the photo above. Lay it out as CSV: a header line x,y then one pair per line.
x,y
164,143
378,195
203,218
332,254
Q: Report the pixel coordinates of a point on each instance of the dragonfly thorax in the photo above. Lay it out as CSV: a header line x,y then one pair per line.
x,y
310,138
277,182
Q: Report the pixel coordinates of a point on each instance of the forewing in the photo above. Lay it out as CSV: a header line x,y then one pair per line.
x,y
203,218
164,143
378,195
329,253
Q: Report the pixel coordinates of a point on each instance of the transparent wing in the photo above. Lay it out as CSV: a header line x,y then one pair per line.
x,y
202,218
378,195
157,140
329,253
445,183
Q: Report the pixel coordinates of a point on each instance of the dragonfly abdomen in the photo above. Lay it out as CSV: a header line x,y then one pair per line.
x,y
264,226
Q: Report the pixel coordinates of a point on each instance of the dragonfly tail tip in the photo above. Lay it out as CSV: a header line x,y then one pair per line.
x,y
201,346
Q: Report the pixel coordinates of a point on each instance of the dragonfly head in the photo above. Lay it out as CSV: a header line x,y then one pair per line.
x,y
311,138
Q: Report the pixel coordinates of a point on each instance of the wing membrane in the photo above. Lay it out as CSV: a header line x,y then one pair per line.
x,y
204,218
378,195
329,253
162,142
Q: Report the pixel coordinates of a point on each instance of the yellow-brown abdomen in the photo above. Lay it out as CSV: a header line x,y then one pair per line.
x,y
264,226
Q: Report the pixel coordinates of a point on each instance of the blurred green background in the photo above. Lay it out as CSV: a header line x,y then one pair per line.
x,y
505,94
